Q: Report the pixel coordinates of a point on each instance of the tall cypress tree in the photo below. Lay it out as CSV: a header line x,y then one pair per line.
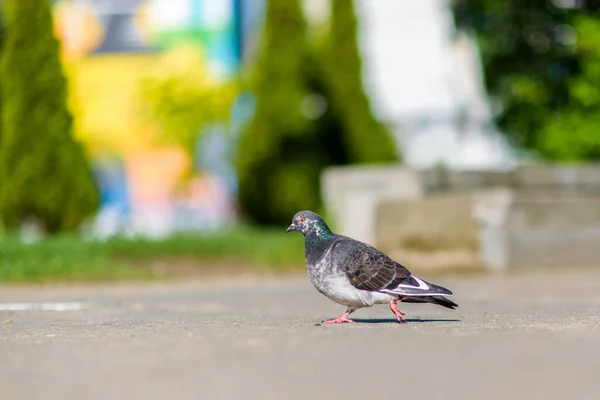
x,y
366,140
311,112
277,165
43,171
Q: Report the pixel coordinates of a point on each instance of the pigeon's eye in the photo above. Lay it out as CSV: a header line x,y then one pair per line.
x,y
302,219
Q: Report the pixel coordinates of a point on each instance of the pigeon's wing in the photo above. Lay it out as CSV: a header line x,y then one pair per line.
x,y
369,269
366,267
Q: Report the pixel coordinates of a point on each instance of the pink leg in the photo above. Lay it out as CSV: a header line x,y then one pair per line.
x,y
399,314
342,318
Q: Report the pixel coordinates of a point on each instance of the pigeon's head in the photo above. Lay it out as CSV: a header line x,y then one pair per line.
x,y
307,222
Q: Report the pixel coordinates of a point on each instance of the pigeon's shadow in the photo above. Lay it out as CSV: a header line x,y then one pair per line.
x,y
394,321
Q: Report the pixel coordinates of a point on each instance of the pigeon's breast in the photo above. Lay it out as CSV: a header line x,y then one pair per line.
x,y
335,285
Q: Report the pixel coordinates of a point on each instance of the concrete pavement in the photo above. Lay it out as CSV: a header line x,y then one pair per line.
x,y
520,336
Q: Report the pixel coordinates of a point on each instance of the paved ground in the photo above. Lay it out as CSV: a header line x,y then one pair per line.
x,y
529,336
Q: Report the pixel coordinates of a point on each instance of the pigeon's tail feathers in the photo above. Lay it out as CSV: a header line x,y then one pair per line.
x,y
439,289
413,286
438,300
443,301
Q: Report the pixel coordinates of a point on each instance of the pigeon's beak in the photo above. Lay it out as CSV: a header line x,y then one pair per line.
x,y
290,228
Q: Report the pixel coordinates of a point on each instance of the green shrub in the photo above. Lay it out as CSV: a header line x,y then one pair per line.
x,y
43,171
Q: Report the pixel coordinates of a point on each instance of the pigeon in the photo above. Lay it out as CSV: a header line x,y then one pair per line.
x,y
356,275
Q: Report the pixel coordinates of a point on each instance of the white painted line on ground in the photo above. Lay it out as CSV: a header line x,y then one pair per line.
x,y
44,306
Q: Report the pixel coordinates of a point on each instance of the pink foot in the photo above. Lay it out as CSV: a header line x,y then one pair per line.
x,y
399,314
338,320
341,319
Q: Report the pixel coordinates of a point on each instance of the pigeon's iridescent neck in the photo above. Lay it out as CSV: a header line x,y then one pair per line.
x,y
316,243
320,232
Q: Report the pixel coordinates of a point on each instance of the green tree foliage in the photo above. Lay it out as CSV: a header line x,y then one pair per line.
x,y
311,112
574,133
277,166
538,60
43,171
1,41
366,140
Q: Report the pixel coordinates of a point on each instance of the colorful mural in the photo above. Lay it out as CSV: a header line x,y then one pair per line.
x,y
109,47
133,26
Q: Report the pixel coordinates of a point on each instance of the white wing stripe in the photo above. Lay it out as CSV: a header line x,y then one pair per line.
x,y
422,285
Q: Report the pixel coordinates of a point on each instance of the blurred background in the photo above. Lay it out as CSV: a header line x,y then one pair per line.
x,y
147,138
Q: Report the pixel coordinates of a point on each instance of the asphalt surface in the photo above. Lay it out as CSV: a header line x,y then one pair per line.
x,y
534,336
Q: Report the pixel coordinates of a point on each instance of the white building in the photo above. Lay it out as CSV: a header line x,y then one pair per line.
x,y
424,78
